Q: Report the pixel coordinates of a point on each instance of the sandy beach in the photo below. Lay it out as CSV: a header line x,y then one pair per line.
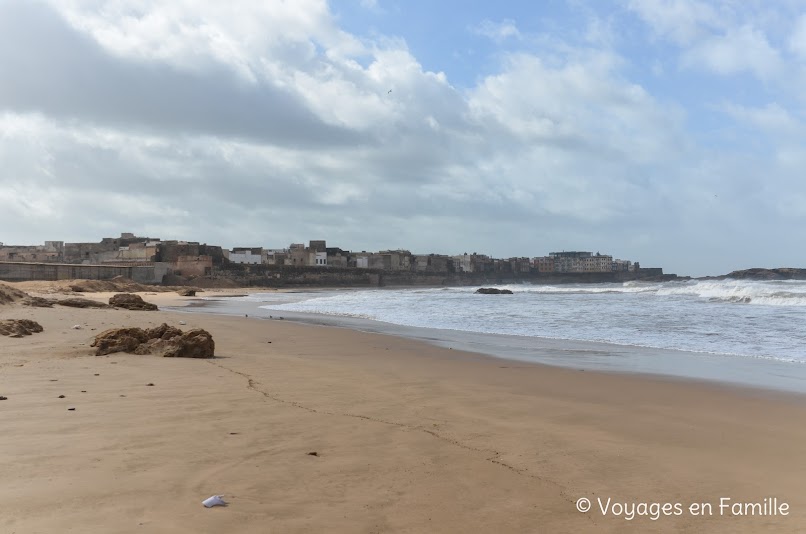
x,y
409,437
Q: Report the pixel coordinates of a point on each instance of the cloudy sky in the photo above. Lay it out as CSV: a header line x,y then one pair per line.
x,y
672,132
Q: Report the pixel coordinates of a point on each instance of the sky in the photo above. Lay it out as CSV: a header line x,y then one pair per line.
x,y
669,132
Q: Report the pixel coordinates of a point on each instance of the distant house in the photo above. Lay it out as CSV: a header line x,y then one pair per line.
x,y
250,256
463,263
52,251
276,256
337,257
544,264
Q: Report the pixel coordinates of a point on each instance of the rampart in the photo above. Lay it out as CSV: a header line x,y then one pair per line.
x,y
18,272
291,276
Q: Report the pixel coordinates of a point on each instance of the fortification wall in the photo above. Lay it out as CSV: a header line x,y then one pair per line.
x,y
285,276
19,272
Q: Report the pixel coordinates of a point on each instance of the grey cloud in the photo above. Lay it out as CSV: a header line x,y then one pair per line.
x,y
48,67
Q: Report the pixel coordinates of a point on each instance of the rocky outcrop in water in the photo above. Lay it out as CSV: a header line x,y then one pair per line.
x,y
782,273
164,340
493,291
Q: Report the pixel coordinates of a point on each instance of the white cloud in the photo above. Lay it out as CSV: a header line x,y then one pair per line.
x,y
497,31
682,21
743,49
797,41
773,119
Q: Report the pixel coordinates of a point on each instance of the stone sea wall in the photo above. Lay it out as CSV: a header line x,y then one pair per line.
x,y
289,276
298,276
20,272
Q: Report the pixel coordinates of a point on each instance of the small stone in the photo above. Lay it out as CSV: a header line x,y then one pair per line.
x,y
313,453
61,396
149,384
3,398
97,374
71,409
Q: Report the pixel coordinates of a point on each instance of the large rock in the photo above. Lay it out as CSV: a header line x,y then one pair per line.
x,y
119,340
78,302
493,291
130,301
187,292
163,331
163,340
191,344
19,327
38,302
10,294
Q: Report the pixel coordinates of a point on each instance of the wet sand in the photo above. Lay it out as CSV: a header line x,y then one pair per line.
x,y
409,437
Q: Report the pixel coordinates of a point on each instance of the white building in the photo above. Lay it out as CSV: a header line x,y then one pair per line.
x,y
463,263
249,256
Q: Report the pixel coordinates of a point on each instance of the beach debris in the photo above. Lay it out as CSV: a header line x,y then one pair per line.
x,y
97,374
163,340
183,323
233,433
79,302
61,396
215,500
3,397
19,327
150,384
313,453
130,301
493,291
71,409
76,327
83,391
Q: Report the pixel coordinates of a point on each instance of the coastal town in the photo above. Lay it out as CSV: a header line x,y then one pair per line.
x,y
194,259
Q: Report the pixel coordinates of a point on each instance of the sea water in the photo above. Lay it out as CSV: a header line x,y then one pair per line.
x,y
634,326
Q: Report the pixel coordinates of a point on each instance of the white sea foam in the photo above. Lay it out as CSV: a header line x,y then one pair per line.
x,y
750,318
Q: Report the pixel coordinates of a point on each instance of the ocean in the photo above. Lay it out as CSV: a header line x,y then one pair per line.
x,y
747,332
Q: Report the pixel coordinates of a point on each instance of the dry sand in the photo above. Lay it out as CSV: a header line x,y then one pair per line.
x,y
410,437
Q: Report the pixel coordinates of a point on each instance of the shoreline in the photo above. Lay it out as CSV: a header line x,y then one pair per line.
x,y
727,369
410,437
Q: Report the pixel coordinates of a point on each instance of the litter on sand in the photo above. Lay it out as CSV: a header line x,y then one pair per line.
x,y
182,322
215,500
76,327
